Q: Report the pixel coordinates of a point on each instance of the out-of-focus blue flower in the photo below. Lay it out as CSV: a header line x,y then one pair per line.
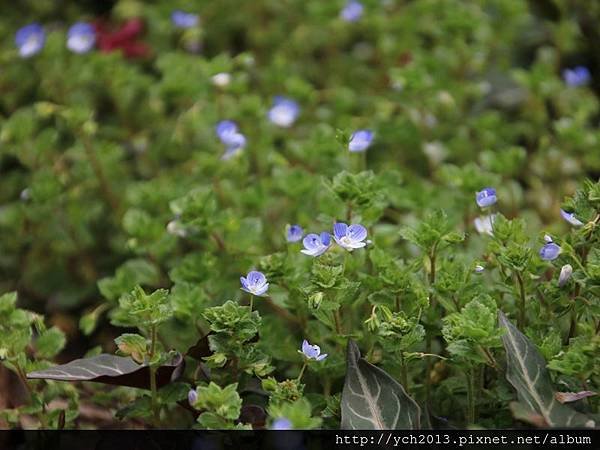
x,y
192,397
565,273
485,224
360,140
294,233
486,197
349,237
312,351
81,37
315,244
352,11
30,39
479,268
281,423
181,19
283,112
550,251
255,283
228,134
577,76
570,217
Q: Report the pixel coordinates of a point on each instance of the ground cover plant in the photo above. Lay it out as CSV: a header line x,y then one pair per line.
x,y
299,214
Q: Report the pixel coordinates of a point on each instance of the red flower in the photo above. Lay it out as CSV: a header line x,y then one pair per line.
x,y
124,38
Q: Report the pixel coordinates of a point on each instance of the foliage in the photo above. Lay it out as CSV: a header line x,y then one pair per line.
x,y
141,178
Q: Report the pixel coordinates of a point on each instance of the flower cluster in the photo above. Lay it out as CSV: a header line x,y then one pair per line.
x,y
348,237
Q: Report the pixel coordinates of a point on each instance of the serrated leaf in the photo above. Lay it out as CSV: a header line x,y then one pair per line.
x,y
112,369
526,371
373,400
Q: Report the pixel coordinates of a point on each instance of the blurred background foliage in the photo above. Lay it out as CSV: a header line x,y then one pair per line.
x,y
99,153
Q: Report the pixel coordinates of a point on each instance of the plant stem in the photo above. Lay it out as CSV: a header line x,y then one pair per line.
x,y
153,390
470,397
521,320
251,302
429,331
105,188
301,371
338,321
404,372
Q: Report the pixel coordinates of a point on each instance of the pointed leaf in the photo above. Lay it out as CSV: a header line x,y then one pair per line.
x,y
526,371
373,400
112,369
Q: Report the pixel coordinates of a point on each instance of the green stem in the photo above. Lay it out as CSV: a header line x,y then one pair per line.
x,y
338,321
521,320
470,397
153,390
301,371
251,302
429,331
403,372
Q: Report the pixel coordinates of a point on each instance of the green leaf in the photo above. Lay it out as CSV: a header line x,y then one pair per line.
x,y
526,371
49,343
373,400
134,345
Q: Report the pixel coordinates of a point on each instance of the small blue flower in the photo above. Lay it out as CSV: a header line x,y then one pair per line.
x,y
360,140
352,11
294,233
192,397
550,251
181,19
565,273
577,76
479,268
486,197
255,283
315,244
81,37
349,237
30,39
312,351
570,217
281,423
228,134
283,112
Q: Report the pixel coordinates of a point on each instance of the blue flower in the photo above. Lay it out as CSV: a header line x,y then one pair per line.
x,y
360,140
30,39
577,76
228,134
349,237
565,273
570,217
294,233
486,197
181,19
315,244
192,397
550,251
479,268
81,37
283,112
352,11
281,423
312,351
255,283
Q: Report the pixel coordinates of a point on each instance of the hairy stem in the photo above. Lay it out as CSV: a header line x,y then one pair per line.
x,y
153,390
521,319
